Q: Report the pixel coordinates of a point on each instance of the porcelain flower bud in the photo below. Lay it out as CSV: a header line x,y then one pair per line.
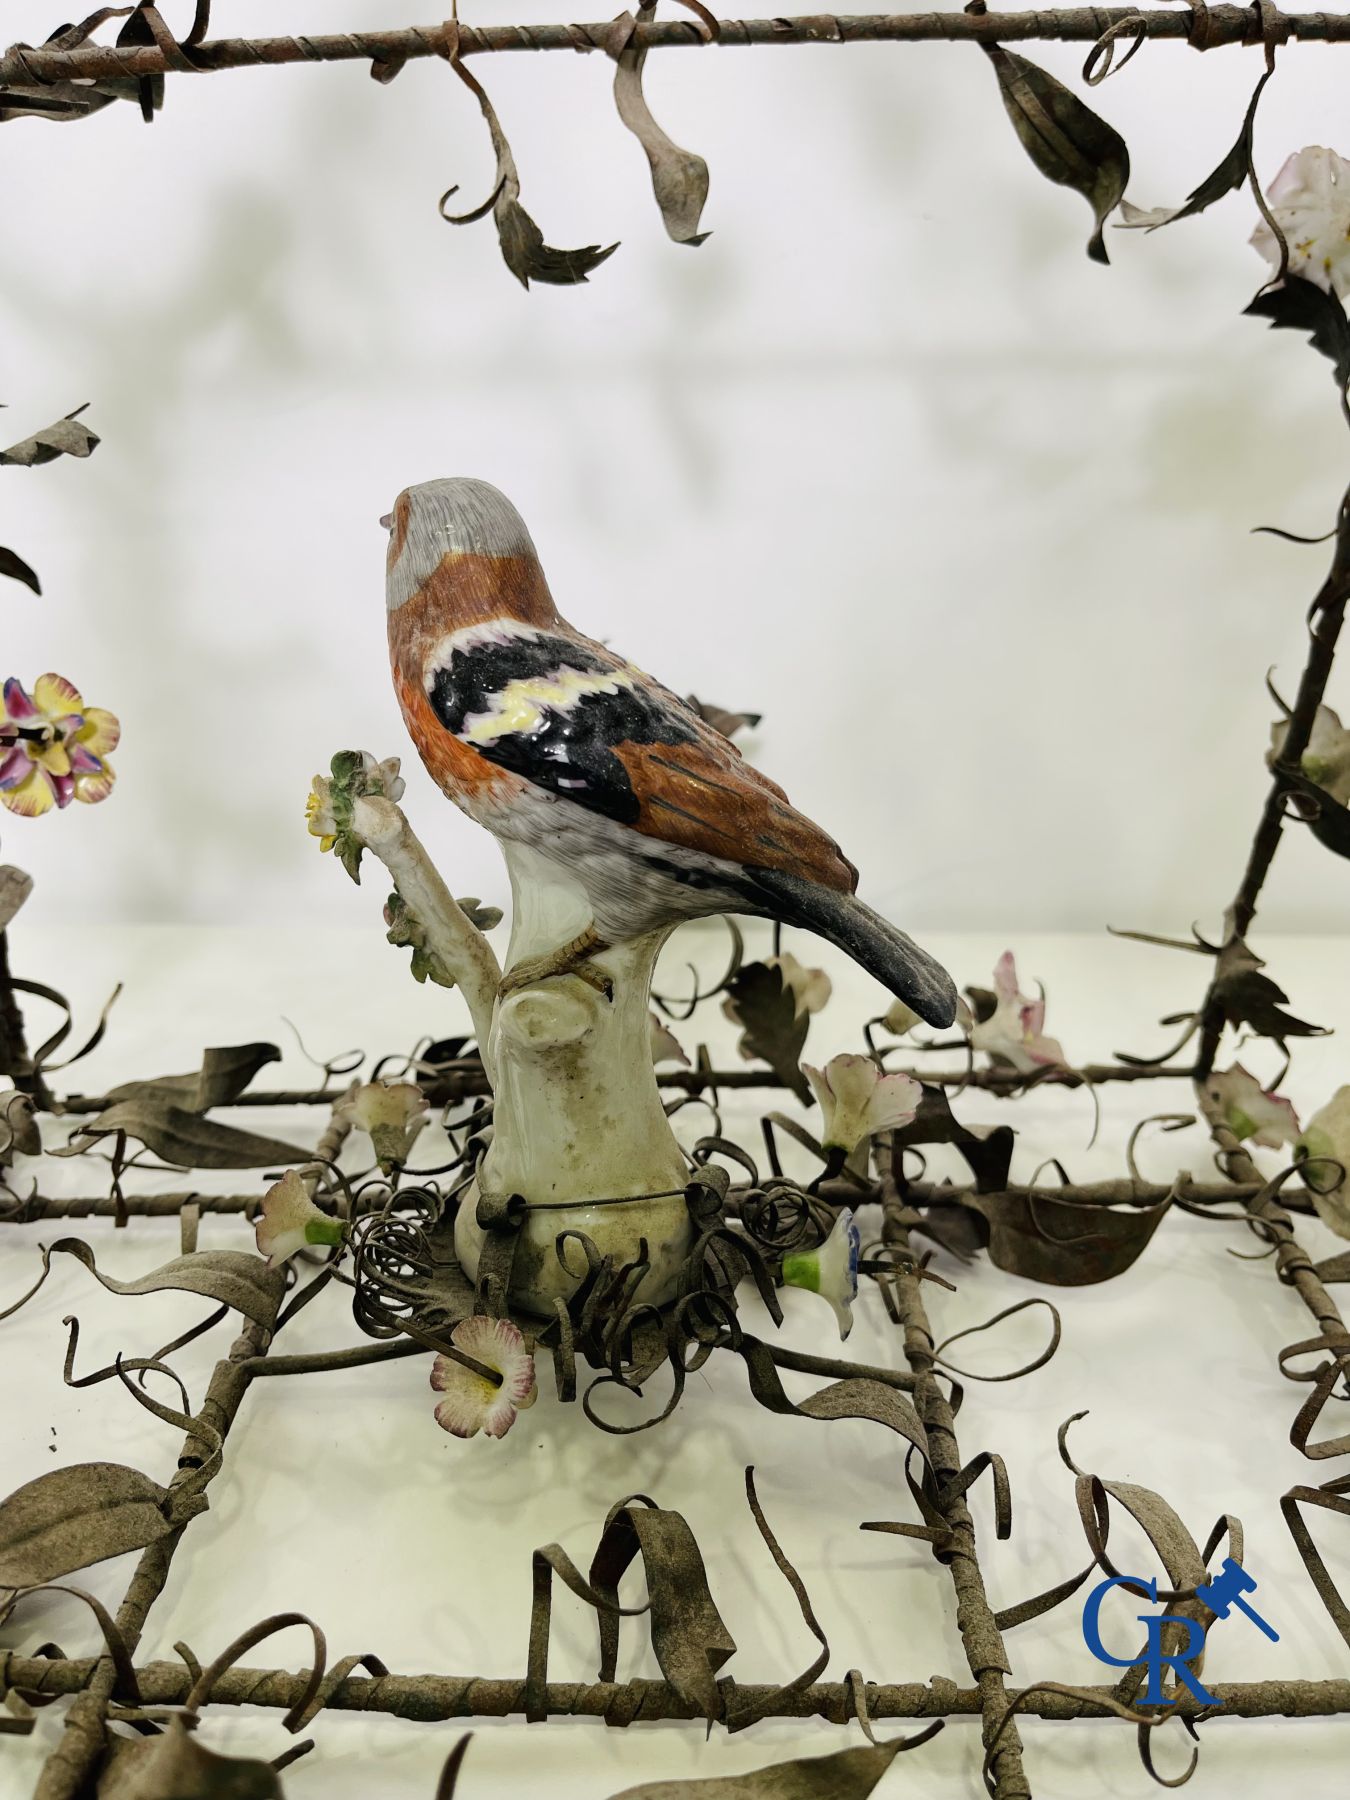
x,y
1310,201
1249,1111
1327,1134
1326,761
53,748
665,1045
391,1113
857,1100
471,1402
1015,1030
290,1220
899,1018
831,1270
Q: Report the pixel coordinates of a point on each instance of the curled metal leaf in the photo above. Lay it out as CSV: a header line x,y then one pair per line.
x,y
524,251
679,177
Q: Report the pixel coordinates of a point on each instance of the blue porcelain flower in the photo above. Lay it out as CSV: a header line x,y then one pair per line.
x,y
830,1270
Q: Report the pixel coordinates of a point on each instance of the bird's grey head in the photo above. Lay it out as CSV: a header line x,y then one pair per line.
x,y
436,519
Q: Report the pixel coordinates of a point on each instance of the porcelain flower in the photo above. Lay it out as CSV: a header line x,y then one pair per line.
x,y
53,748
392,1113
1327,1134
857,1100
810,988
290,1220
471,1402
328,807
831,1270
1249,1111
665,1045
1310,201
1326,761
1014,1031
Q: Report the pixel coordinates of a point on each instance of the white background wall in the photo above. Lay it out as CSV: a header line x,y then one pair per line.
x,y
962,513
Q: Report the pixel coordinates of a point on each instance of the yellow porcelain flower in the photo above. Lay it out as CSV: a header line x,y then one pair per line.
x,y
53,748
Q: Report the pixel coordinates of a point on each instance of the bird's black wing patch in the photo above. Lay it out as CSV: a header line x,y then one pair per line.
x,y
571,751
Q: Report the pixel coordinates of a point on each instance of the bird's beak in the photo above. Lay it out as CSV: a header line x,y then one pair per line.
x,y
388,521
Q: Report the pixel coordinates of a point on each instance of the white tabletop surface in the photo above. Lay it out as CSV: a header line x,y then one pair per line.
x,y
341,1498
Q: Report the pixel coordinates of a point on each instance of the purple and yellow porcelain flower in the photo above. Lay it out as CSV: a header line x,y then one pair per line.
x,y
53,748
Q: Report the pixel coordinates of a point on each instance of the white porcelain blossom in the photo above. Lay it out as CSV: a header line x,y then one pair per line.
x,y
1310,201
471,1402
392,1113
831,1270
1326,761
1014,1032
857,1100
1249,1111
290,1220
1327,1135
810,988
665,1045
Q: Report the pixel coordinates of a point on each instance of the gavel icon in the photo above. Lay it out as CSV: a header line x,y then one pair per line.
x,y
1225,1591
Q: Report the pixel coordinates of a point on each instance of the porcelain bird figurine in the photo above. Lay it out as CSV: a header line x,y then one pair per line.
x,y
554,743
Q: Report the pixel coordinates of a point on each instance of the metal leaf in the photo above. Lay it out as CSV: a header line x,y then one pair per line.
x,y
774,1031
69,1518
1065,139
844,1775
1230,174
175,1766
182,1137
1068,1243
64,438
231,1277
679,177
17,569
526,254
222,1078
1299,305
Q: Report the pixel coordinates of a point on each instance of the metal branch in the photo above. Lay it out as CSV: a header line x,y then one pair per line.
x,y
1327,614
431,1698
1205,28
67,1771
980,1636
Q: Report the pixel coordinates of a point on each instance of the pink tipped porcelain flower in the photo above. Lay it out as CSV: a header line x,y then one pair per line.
x,y
857,1100
53,748
665,1045
1015,1031
471,1402
1310,201
290,1220
392,1113
1249,1111
831,1270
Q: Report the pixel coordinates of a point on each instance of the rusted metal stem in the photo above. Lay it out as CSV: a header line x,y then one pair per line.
x,y
1208,29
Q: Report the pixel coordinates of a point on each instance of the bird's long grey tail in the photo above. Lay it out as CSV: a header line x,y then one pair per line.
x,y
910,973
